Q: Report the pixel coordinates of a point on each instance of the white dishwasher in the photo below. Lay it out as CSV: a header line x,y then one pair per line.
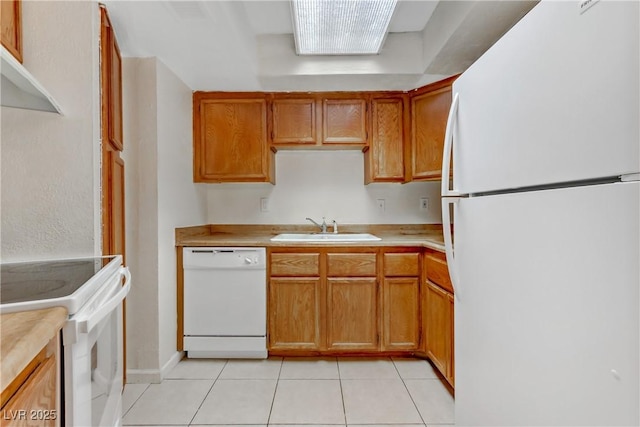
x,y
225,302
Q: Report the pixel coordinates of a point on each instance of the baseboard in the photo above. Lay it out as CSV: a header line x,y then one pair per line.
x,y
171,363
153,376
143,376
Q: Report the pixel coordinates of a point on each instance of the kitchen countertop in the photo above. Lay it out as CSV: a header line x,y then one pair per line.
x,y
23,335
418,235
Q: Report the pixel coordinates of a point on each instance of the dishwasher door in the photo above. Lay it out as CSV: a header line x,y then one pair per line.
x,y
225,301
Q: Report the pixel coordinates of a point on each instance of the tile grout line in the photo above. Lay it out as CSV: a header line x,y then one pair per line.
x,y
135,401
275,391
344,407
408,392
208,392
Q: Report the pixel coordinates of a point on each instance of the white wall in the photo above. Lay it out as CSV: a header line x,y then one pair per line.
x,y
180,201
160,196
322,183
50,166
141,204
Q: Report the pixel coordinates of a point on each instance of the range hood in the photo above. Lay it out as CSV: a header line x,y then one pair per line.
x,y
20,89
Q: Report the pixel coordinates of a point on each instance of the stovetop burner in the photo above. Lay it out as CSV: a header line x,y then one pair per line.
x,y
56,280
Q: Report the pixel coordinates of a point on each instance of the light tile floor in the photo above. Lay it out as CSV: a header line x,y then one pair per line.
x,y
376,392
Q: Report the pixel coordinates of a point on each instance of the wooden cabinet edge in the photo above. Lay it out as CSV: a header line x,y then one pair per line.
x,y
46,365
16,50
180,299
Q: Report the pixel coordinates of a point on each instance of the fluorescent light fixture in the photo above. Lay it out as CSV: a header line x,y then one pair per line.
x,y
340,27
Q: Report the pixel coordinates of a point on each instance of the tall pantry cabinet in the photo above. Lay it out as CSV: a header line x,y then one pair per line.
x,y
113,214
112,141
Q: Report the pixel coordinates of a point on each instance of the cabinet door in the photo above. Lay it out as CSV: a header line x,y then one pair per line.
x,y
384,161
352,314
11,24
230,140
344,121
36,399
438,327
429,113
294,314
400,314
294,121
111,69
115,93
113,214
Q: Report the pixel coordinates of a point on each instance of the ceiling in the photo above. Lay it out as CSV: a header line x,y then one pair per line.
x,y
240,45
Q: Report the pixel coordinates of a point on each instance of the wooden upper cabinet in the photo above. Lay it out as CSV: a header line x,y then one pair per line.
x,y
344,121
429,112
111,82
11,23
294,121
385,158
230,138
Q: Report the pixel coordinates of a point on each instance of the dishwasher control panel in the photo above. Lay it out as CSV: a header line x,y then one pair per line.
x,y
223,257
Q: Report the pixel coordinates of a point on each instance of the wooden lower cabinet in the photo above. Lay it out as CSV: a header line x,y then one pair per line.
x,y
352,314
438,328
294,319
401,313
361,301
33,398
35,403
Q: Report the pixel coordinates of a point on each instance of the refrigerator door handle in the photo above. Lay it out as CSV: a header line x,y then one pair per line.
x,y
448,148
448,243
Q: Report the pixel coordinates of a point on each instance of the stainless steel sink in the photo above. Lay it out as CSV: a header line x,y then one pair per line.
x,y
328,237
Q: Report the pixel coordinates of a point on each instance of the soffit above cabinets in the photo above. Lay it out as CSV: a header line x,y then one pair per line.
x,y
249,46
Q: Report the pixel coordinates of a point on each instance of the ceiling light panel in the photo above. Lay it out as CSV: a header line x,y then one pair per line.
x,y
341,27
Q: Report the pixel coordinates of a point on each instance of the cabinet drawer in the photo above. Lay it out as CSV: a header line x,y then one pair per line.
x,y
403,264
350,265
437,271
289,264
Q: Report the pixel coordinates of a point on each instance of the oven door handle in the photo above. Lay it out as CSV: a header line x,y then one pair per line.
x,y
86,325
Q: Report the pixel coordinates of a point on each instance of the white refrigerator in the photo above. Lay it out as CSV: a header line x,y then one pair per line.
x,y
545,206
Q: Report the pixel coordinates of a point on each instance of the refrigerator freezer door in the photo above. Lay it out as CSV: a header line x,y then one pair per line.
x,y
555,100
547,324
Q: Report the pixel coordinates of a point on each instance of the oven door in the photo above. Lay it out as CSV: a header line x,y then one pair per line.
x,y
93,357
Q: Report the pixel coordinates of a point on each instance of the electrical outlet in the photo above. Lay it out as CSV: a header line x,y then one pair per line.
x,y
381,204
424,203
264,204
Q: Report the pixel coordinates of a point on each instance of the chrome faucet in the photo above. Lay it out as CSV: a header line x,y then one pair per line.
x,y
323,226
